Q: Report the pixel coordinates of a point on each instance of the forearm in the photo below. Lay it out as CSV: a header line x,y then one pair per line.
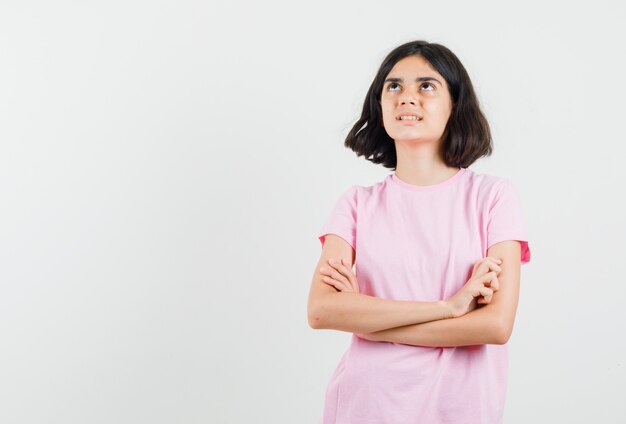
x,y
360,313
479,326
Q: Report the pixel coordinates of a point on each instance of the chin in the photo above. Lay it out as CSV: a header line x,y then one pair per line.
x,y
419,138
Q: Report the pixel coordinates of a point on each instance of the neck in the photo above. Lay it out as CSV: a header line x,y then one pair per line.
x,y
421,166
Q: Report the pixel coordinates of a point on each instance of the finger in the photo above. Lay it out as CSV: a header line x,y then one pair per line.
x,y
337,275
343,274
482,268
489,280
337,284
496,267
494,283
480,292
479,267
335,264
350,275
349,267
328,271
344,268
487,265
485,291
340,266
485,299
492,264
486,278
346,264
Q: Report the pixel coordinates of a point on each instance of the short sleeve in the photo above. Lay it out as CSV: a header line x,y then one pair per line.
x,y
342,219
506,220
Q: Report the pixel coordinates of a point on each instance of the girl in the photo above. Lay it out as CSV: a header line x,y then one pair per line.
x,y
437,250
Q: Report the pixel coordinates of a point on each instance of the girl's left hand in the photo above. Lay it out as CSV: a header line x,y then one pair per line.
x,y
343,279
340,276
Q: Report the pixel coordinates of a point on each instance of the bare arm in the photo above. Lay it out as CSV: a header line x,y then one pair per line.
x,y
479,326
357,313
360,313
489,324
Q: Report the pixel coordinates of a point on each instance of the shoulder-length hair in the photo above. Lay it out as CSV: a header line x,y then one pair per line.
x,y
466,137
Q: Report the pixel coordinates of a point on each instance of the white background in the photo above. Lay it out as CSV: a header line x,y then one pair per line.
x,y
165,167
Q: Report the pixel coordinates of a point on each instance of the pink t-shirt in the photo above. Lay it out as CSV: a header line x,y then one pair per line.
x,y
420,243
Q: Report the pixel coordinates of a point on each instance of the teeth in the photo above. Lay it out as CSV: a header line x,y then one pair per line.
x,y
411,117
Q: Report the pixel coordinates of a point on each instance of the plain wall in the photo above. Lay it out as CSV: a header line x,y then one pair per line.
x,y
165,168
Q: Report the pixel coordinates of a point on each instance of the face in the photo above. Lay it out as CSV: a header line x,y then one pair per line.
x,y
413,87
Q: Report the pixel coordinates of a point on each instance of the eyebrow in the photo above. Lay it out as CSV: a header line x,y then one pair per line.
x,y
416,79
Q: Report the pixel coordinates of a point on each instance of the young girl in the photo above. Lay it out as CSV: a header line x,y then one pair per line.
x,y
437,250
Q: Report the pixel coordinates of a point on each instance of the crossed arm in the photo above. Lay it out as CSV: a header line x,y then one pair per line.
x,y
488,324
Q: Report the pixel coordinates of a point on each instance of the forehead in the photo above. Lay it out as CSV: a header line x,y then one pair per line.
x,y
414,66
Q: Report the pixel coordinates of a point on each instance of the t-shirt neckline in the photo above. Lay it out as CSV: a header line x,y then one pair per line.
x,y
408,186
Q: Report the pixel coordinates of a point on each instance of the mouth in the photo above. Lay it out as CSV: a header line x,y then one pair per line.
x,y
408,117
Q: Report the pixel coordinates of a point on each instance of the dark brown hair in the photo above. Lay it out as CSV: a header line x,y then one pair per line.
x,y
467,136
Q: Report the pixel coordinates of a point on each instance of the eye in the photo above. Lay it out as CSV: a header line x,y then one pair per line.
x,y
393,84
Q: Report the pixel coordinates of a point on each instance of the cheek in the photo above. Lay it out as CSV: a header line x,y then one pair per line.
x,y
386,115
440,111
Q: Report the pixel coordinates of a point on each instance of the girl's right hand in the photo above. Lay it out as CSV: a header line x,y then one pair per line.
x,y
478,289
